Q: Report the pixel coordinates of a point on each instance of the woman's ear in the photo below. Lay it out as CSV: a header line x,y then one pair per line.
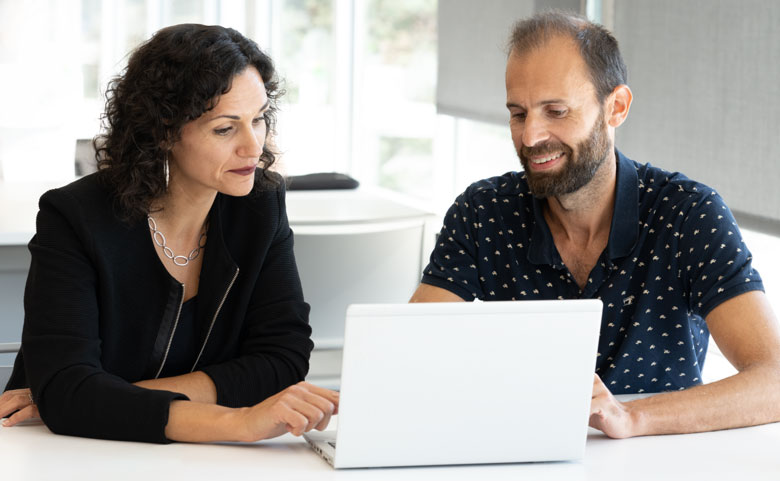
x,y
166,145
618,104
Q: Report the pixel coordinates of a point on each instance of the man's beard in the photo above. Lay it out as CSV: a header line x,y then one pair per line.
x,y
576,172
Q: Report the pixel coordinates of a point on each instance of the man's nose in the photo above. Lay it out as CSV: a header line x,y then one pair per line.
x,y
534,130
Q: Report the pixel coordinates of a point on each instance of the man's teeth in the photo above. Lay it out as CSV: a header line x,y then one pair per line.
x,y
547,159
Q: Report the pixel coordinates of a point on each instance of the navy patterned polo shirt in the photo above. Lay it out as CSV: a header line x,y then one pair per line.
x,y
674,253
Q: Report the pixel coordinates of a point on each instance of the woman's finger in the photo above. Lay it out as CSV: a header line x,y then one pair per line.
x,y
14,400
327,394
295,421
325,405
297,409
311,412
23,414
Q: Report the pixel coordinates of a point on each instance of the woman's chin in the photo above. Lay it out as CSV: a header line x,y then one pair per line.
x,y
239,190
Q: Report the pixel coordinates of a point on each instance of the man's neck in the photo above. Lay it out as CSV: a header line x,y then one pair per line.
x,y
586,214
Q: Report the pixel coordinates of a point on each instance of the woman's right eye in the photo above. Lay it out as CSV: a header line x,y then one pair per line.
x,y
222,131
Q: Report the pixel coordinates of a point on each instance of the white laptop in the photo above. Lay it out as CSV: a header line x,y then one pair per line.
x,y
464,383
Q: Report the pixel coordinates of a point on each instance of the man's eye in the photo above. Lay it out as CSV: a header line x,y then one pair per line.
x,y
519,116
224,131
557,113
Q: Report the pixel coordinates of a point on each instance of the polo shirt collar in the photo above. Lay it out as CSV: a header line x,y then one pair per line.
x,y
624,230
542,249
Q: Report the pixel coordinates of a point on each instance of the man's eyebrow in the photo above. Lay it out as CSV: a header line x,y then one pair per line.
x,y
552,101
236,117
510,105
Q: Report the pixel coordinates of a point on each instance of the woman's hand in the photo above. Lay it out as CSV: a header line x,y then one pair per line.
x,y
19,400
297,409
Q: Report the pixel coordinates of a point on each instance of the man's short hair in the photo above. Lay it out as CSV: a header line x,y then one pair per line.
x,y
599,49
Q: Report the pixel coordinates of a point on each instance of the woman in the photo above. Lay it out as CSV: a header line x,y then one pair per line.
x,y
163,301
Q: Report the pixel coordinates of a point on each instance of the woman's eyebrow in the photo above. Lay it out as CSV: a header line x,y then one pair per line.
x,y
236,117
265,106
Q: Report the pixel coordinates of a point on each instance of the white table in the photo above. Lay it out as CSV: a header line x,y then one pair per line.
x,y
32,452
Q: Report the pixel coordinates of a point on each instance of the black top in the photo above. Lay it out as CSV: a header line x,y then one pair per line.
x,y
674,253
184,343
100,308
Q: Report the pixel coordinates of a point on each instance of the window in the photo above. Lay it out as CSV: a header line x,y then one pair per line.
x,y
395,86
360,78
312,115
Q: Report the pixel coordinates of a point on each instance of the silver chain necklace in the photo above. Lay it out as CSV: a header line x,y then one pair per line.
x,y
159,239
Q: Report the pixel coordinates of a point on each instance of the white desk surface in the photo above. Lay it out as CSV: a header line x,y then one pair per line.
x,y
32,452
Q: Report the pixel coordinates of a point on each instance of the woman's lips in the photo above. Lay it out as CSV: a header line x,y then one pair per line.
x,y
244,171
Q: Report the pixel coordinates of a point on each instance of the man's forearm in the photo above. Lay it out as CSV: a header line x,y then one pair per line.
x,y
197,386
749,398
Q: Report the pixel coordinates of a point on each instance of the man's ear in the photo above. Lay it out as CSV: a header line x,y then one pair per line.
x,y
618,104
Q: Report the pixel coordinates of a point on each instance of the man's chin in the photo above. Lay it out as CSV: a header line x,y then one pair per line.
x,y
540,190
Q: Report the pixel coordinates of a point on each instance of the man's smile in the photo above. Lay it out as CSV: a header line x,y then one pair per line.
x,y
547,158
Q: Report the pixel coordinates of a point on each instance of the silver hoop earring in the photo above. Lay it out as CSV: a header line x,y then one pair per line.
x,y
166,172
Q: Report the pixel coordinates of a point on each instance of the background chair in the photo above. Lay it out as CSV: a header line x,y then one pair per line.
x,y
354,246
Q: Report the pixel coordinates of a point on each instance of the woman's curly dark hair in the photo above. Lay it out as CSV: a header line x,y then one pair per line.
x,y
171,79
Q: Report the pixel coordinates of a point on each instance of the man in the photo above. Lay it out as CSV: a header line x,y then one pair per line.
x,y
662,252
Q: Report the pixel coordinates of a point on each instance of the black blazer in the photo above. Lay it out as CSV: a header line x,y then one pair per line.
x,y
100,309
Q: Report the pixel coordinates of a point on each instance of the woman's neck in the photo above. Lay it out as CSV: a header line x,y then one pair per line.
x,y
182,216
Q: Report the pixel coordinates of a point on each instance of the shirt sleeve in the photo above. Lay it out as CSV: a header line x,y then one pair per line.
x,y
276,337
716,263
453,263
62,345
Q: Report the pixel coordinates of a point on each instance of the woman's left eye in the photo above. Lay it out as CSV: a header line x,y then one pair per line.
x,y
258,120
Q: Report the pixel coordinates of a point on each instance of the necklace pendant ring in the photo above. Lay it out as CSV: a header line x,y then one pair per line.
x,y
161,241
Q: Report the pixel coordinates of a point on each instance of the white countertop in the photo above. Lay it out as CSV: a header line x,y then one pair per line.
x,y
32,452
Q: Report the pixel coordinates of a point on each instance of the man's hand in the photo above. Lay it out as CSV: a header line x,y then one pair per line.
x,y
609,415
21,401
748,334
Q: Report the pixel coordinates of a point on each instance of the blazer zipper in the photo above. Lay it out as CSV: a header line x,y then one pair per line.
x,y
214,319
173,331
